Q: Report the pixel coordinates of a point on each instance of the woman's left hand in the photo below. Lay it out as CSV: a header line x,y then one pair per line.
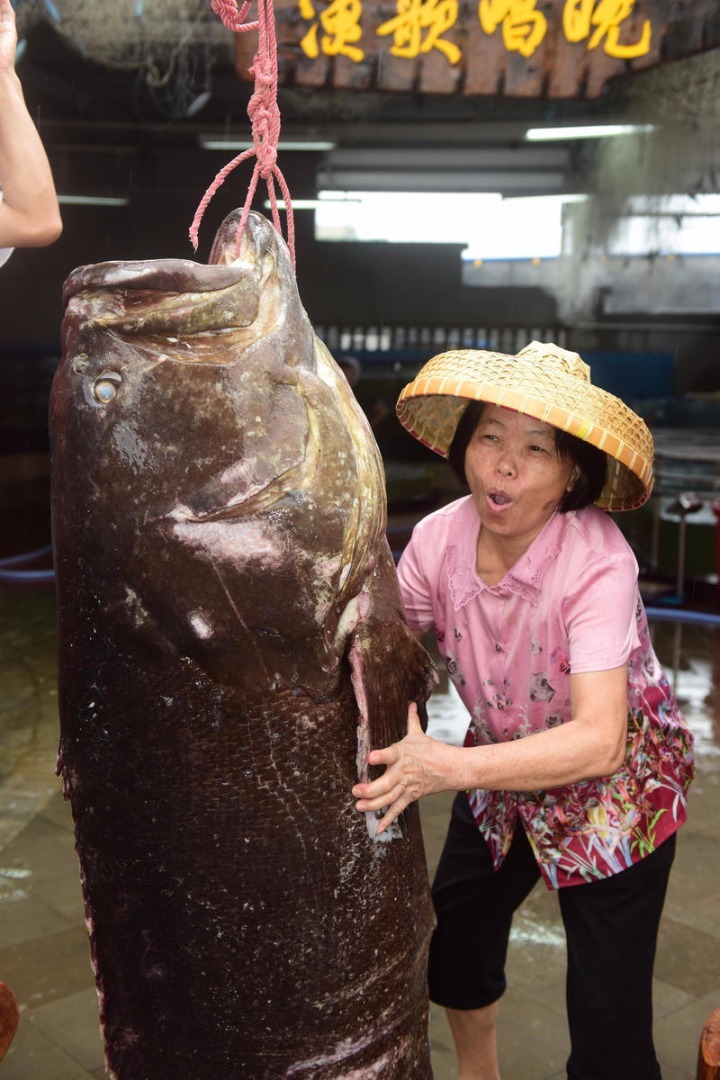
x,y
416,766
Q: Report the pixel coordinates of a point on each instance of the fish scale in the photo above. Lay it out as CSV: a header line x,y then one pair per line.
x,y
231,644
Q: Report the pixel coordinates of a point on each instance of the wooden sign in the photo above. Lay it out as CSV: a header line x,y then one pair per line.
x,y
507,48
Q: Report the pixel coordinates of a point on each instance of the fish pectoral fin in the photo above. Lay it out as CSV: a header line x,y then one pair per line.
x,y
390,669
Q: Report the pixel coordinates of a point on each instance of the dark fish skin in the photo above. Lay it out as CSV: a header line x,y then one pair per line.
x,y
231,644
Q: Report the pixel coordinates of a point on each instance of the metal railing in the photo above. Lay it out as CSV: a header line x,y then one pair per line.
x,y
434,339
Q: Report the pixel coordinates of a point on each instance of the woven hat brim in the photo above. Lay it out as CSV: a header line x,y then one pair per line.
x,y
431,405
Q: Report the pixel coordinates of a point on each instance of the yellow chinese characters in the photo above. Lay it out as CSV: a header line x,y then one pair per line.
x,y
598,19
523,27
417,17
340,22
419,26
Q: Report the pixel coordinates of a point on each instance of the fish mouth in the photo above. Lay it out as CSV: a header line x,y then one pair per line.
x,y
259,245
165,296
168,296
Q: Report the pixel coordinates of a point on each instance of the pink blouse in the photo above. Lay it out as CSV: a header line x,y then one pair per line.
x,y
570,603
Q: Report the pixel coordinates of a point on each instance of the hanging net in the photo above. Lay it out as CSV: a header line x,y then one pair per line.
x,y
171,44
681,156
127,33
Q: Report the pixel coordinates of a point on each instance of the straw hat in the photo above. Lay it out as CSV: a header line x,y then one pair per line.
x,y
543,381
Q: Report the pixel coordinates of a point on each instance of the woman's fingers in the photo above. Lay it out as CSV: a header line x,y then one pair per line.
x,y
390,806
389,755
375,791
414,725
381,802
401,783
393,812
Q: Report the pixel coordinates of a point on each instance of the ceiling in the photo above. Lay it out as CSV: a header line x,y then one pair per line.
x,y
134,133
133,125
92,115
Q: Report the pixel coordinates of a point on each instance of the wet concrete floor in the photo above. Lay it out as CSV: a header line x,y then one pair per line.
x,y
43,942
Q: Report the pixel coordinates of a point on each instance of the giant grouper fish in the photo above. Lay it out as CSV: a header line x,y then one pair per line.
x,y
231,645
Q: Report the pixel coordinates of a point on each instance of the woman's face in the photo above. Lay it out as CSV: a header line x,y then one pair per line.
x,y
515,474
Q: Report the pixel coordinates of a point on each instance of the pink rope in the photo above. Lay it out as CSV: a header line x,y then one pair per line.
x,y
232,18
265,119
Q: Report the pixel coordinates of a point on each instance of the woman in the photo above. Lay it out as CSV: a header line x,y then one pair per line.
x,y
577,761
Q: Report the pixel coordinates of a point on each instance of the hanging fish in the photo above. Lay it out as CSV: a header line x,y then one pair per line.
x,y
231,645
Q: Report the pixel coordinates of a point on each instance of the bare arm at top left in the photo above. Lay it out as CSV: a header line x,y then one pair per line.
x,y
29,211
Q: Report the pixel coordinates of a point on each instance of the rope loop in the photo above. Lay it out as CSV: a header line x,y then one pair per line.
x,y
227,10
264,115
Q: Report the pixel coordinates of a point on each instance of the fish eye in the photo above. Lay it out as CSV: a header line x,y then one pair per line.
x,y
106,386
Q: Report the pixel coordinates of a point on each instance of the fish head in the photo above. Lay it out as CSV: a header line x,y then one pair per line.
x,y
227,476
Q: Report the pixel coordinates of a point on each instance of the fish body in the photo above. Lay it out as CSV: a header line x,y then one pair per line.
x,y
231,645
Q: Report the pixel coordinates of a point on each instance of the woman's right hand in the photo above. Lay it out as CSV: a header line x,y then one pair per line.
x,y
417,765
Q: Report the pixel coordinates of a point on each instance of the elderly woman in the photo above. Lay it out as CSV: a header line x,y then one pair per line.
x,y
576,762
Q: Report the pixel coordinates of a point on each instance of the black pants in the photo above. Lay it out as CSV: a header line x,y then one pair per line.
x,y
611,928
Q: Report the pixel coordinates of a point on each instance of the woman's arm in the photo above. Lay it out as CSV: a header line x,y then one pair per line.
x,y
29,211
591,744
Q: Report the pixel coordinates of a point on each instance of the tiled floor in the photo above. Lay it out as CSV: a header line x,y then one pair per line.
x,y
43,944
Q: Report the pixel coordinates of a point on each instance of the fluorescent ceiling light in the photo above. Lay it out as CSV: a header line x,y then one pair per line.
x,y
446,180
592,131
297,204
540,200
308,204
338,196
93,200
214,142
439,158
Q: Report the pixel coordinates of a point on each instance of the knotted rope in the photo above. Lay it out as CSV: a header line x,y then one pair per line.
x,y
264,116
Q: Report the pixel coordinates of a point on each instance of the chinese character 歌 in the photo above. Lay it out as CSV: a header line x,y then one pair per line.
x,y
417,16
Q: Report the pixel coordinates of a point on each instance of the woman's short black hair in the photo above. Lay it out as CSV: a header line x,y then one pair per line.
x,y
461,439
591,462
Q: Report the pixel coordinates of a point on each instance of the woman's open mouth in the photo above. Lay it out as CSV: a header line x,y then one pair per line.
x,y
498,498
